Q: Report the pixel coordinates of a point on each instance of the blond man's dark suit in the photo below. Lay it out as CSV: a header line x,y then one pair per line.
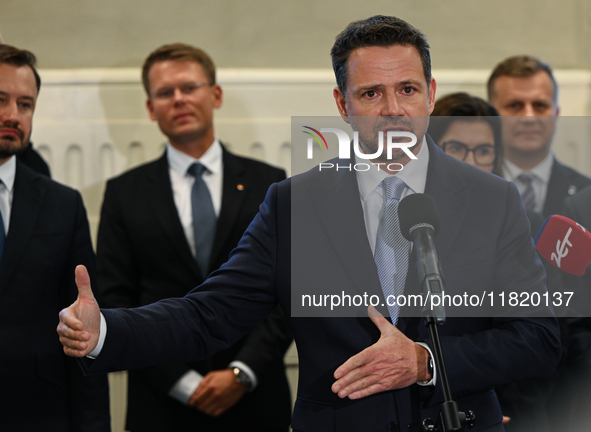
x,y
143,256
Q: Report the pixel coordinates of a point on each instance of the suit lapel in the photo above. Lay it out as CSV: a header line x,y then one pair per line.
x,y
161,201
452,196
558,186
27,202
338,206
234,190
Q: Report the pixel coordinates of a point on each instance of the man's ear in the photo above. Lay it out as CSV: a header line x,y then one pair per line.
x,y
217,96
339,98
150,109
432,89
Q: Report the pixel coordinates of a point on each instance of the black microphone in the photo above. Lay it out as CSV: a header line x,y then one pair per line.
x,y
420,223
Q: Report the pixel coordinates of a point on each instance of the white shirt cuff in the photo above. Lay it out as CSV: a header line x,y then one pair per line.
x,y
248,371
433,380
102,335
186,386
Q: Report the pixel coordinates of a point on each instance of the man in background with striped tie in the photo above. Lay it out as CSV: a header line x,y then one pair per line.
x,y
524,87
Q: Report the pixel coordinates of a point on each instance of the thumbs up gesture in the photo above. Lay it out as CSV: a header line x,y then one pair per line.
x,y
79,325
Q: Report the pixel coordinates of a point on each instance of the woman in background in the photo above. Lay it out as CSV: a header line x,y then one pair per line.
x,y
468,128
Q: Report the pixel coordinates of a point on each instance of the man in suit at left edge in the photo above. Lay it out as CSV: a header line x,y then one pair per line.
x,y
43,234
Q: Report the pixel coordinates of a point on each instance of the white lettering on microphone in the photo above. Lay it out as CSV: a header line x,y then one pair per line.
x,y
582,227
561,249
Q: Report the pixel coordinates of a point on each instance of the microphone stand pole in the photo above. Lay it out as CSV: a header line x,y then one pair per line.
x,y
450,418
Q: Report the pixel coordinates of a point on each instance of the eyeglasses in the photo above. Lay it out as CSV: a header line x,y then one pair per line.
x,y
484,154
167,93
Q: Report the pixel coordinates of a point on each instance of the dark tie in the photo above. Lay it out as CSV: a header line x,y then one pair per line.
x,y
204,218
392,249
527,196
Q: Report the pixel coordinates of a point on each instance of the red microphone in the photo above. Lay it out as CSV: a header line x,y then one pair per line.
x,y
566,244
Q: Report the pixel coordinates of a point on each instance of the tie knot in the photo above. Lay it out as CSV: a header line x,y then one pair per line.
x,y
526,179
196,169
393,187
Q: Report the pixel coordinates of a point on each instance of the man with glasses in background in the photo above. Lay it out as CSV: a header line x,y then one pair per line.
x,y
164,227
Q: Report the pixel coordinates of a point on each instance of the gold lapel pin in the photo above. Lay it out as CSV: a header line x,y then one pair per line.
x,y
240,186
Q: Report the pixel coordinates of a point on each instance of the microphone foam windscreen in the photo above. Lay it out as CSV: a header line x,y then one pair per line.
x,y
565,244
417,209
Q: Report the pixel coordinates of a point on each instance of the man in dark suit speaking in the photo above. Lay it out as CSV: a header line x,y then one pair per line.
x,y
164,227
43,235
358,373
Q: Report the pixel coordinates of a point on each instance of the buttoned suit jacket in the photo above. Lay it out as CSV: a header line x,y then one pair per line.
x,y
143,256
41,388
564,181
484,241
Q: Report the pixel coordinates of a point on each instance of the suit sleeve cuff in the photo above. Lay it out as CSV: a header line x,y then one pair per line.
x,y
102,335
248,371
433,380
184,388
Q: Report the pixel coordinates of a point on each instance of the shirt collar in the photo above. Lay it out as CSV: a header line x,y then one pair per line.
x,y
414,173
8,172
180,162
541,171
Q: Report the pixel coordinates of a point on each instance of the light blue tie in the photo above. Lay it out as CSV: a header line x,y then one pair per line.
x,y
392,249
204,218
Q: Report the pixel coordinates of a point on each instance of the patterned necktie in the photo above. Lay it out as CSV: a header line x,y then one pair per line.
x,y
392,249
527,196
204,218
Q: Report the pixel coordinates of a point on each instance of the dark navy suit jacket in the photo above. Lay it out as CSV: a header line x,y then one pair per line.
x,y
484,241
41,389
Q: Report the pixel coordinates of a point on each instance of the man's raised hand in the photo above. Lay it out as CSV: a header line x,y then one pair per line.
x,y
79,325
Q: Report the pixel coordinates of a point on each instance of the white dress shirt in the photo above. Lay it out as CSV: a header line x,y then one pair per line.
x,y
541,178
182,183
7,174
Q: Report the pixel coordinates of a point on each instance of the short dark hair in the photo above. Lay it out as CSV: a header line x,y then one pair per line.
x,y
17,57
178,52
470,108
521,66
381,31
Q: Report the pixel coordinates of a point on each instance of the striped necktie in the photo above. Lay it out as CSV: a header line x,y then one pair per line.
x,y
527,196
392,249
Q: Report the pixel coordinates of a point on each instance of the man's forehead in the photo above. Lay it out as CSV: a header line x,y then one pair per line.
x,y
18,80
539,84
168,68
401,61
